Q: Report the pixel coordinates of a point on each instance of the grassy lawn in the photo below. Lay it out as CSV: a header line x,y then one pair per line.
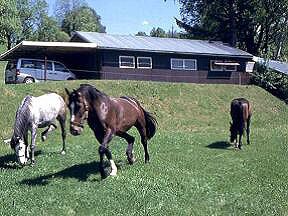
x,y
193,170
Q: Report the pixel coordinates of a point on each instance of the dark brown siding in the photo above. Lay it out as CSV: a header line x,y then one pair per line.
x,y
171,75
161,70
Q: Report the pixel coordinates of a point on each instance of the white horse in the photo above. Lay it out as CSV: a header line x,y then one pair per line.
x,y
33,113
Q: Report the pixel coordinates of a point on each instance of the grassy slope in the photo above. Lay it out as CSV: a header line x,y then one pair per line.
x,y
192,170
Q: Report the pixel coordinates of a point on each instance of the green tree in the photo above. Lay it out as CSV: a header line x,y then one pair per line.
x,y
48,30
82,19
157,32
256,25
63,7
141,33
9,22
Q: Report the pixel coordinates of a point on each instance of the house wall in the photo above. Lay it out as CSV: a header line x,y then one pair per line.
x,y
161,69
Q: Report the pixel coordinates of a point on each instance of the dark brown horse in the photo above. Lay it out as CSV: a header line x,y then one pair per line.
x,y
107,117
241,112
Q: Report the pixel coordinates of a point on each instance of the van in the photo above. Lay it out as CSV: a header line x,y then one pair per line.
x,y
33,70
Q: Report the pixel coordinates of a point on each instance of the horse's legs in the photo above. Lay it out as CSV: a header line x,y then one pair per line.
x,y
103,150
49,129
33,140
142,131
129,151
240,140
62,120
27,146
248,130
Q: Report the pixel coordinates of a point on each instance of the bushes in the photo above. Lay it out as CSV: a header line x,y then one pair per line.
x,y
273,81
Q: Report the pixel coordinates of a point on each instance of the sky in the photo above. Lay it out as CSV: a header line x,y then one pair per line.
x,y
131,16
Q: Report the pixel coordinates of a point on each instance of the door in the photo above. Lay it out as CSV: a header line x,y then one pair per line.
x,y
60,72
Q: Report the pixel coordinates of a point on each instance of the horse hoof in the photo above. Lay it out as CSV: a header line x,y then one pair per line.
x,y
113,173
62,152
131,161
43,138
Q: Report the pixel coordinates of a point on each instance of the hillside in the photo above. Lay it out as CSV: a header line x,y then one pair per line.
x,y
193,170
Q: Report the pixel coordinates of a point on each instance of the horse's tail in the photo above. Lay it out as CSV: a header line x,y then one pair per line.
x,y
150,120
151,124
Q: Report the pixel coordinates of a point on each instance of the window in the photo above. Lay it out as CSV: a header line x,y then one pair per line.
x,y
27,64
144,62
126,62
183,64
218,65
60,67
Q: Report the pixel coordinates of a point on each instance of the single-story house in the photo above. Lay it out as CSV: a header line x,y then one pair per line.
x,y
105,56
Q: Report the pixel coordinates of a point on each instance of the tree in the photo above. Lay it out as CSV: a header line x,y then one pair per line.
x,y
157,32
63,7
48,30
9,22
254,25
82,19
141,33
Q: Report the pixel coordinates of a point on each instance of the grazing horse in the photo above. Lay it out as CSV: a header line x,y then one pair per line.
x,y
33,113
107,117
241,112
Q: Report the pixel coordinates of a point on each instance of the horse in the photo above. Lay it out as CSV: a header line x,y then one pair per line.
x,y
33,113
241,112
109,117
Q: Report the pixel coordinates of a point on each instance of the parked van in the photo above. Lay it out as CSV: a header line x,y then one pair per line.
x,y
33,70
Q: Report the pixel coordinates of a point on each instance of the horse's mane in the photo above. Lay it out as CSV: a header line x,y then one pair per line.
x,y
91,91
22,117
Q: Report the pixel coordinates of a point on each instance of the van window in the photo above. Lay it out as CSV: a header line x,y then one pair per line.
x,y
49,65
27,64
60,67
39,65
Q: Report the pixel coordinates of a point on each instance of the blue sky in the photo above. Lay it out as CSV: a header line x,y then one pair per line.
x,y
130,16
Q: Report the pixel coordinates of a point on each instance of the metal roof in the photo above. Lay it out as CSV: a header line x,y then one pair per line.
x,y
36,47
272,64
163,45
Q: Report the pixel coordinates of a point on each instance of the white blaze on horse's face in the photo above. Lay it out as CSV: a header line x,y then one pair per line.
x,y
75,128
72,107
20,150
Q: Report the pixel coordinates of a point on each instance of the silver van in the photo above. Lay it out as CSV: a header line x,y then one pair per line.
x,y
33,70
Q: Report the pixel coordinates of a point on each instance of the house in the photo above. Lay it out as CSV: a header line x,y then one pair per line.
x,y
104,56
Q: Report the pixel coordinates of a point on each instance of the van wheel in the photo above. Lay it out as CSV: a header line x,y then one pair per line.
x,y
28,80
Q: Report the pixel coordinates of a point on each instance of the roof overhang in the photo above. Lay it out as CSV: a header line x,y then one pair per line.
x,y
45,48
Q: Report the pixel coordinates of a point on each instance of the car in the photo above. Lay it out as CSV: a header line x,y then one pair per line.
x,y
33,70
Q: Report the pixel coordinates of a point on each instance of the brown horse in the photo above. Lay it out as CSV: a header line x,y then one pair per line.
x,y
107,117
241,112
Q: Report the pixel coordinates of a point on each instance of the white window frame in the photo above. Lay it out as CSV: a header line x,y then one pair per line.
x,y
150,67
183,60
131,57
223,68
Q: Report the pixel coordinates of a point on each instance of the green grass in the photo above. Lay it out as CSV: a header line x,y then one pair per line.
x,y
193,171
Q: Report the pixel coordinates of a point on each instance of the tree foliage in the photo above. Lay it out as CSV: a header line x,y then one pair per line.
x,y
141,33
9,21
82,19
29,20
158,32
258,26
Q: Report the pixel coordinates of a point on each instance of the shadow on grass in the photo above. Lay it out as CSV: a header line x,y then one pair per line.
x,y
219,145
80,172
10,161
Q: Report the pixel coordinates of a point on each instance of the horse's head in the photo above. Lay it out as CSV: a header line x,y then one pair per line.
x,y
233,132
78,107
21,150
